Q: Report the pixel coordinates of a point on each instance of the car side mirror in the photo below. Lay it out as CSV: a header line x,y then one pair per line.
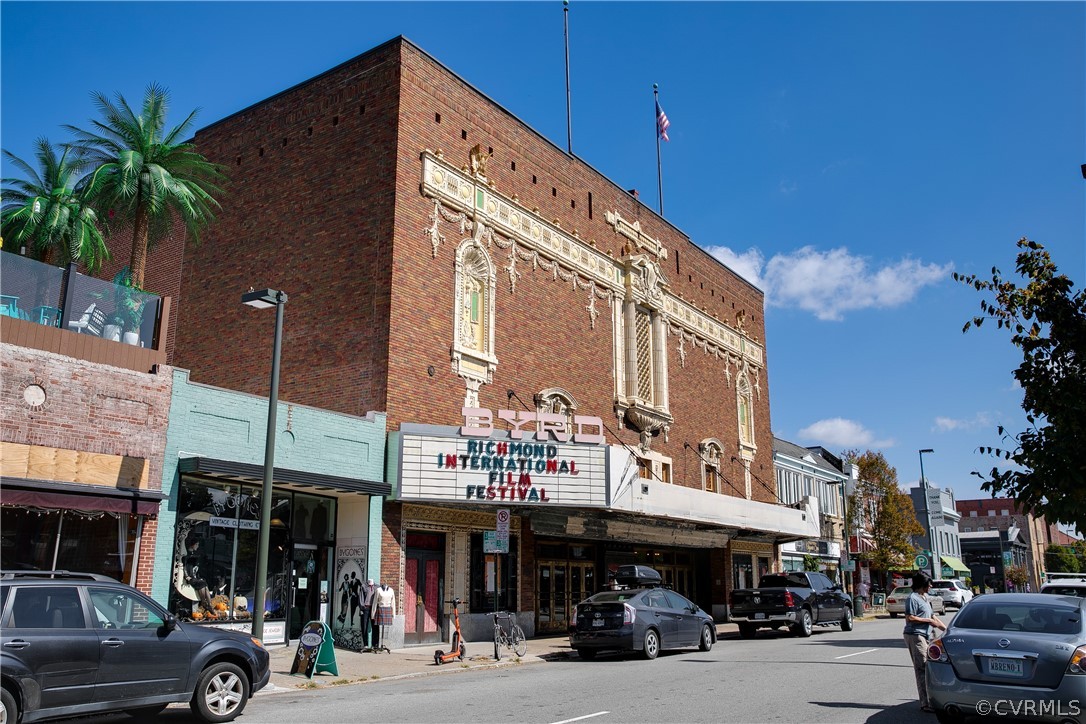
x,y
170,623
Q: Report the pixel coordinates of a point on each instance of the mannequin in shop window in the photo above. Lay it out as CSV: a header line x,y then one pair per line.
x,y
193,562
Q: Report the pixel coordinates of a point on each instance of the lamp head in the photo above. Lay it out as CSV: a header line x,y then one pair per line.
x,y
263,298
927,450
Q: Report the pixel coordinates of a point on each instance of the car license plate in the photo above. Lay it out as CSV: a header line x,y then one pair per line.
x,y
759,615
1005,667
598,622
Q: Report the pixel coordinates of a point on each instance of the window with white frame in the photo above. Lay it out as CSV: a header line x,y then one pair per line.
x,y
473,334
711,452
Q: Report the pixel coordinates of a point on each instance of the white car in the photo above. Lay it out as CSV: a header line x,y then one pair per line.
x,y
954,592
895,602
1065,584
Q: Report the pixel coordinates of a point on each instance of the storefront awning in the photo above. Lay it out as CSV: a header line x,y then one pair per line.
x,y
84,498
955,564
282,477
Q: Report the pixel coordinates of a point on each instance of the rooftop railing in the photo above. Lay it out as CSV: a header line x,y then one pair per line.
x,y
57,297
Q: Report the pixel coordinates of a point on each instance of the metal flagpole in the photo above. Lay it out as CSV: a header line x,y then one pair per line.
x,y
569,107
659,168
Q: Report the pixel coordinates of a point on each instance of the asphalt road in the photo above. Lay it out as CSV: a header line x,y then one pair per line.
x,y
841,677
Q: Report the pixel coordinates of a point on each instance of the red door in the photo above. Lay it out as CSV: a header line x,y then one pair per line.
x,y
423,588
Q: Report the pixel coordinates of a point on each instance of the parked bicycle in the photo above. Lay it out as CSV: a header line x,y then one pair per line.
x,y
507,634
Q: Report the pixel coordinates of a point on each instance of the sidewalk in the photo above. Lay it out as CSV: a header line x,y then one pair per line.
x,y
417,661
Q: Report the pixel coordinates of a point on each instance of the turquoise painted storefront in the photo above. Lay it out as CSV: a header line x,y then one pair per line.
x,y
328,498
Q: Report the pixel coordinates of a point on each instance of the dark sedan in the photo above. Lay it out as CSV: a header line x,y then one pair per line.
x,y
1011,655
647,620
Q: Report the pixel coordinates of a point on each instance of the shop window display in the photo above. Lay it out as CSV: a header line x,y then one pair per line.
x,y
216,542
73,540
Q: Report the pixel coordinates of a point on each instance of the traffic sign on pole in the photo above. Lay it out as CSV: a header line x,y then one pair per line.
x,y
921,562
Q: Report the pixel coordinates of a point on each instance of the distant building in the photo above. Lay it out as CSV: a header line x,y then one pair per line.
x,y
986,514
940,531
803,472
989,553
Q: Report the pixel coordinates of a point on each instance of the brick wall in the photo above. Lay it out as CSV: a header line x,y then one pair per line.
x,y
90,408
325,204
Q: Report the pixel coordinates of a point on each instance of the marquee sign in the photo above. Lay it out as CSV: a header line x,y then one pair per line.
x,y
502,472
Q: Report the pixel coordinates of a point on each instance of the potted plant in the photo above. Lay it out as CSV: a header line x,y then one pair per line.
x,y
130,302
113,328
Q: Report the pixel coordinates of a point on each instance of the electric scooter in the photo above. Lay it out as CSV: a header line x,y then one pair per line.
x,y
458,649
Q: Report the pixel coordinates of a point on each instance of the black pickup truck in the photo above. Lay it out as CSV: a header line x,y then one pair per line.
x,y
799,600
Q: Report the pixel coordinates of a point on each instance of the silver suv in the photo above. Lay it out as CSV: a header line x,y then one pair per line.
x,y
953,591
1065,584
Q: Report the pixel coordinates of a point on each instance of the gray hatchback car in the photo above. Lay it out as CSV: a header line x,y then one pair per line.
x,y
1012,655
74,644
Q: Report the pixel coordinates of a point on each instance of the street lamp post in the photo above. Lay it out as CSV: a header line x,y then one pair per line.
x,y
927,509
264,299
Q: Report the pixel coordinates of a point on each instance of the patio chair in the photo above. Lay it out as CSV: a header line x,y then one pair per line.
x,y
80,324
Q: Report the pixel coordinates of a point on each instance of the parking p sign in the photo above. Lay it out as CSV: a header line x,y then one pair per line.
x,y
922,562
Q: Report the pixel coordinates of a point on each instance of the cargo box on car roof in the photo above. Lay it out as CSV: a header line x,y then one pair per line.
x,y
637,576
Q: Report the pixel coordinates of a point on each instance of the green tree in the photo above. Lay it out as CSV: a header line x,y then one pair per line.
x,y
1041,467
146,175
811,563
45,213
1060,559
879,505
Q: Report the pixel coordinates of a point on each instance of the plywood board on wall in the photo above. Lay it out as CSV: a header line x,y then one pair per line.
x,y
39,462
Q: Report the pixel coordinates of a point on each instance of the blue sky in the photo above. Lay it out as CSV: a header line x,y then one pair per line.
x,y
845,156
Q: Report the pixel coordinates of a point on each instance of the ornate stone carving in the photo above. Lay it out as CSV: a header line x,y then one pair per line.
x,y
636,240
479,159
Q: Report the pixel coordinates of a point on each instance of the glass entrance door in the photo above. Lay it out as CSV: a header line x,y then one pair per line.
x,y
561,585
308,568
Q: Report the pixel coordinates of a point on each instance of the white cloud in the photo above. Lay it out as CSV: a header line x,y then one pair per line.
x,y
747,265
830,283
837,432
787,187
948,424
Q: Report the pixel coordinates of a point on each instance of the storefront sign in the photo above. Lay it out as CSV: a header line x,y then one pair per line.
x,y
316,653
220,522
479,422
506,472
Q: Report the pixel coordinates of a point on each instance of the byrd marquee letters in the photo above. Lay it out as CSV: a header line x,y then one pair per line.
x,y
479,422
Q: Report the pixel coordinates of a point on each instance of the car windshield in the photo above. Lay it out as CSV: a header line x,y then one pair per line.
x,y
942,584
1019,616
1059,590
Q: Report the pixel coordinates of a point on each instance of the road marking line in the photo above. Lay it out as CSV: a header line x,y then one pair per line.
x,y
579,718
855,654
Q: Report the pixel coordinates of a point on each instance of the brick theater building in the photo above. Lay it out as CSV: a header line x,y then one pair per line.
x,y
541,342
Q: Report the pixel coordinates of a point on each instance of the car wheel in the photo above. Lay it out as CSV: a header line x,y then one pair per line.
x,y
221,694
651,645
706,642
805,625
748,631
9,711
893,614
846,622
145,713
586,654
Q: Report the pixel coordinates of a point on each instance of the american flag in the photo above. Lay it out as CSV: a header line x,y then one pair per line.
x,y
662,123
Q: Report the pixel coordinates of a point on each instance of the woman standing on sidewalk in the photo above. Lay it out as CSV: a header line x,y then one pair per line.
x,y
918,622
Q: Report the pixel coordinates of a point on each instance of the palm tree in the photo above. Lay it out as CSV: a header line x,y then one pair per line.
x,y
145,175
44,213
